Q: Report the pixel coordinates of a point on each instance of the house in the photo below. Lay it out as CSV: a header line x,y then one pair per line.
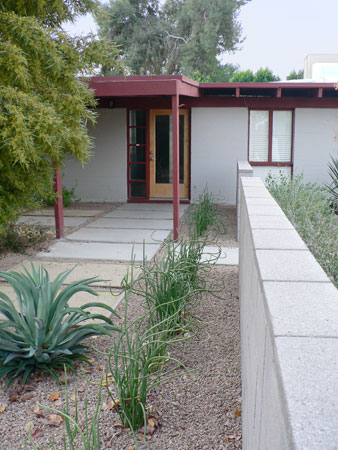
x,y
287,126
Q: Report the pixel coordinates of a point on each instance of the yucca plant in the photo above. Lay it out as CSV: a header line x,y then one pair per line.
x,y
42,332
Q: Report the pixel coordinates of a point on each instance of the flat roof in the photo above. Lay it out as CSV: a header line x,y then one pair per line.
x,y
168,85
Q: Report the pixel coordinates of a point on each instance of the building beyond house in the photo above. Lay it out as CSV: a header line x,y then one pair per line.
x,y
285,126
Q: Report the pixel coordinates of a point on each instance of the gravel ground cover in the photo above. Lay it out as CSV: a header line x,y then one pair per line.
x,y
198,410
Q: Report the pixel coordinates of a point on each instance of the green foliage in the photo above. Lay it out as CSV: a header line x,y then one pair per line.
x,y
68,197
203,214
171,37
51,12
307,207
44,333
261,76
138,357
221,74
89,436
296,75
332,188
265,76
245,76
19,237
44,105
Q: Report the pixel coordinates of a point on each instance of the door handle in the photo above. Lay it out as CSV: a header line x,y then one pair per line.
x,y
152,159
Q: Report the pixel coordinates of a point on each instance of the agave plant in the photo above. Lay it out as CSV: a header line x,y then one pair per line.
x,y
332,188
42,332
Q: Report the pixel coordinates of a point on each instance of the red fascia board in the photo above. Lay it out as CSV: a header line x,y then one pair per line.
x,y
187,89
269,85
130,88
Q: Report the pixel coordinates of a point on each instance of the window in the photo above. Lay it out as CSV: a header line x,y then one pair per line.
x,y
270,137
137,153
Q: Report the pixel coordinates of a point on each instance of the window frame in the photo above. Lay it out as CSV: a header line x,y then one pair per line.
x,y
269,162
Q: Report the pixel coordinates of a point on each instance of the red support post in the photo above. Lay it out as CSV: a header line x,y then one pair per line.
x,y
58,204
176,162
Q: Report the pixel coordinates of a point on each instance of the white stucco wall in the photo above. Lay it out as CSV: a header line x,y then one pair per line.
x,y
219,138
104,178
316,131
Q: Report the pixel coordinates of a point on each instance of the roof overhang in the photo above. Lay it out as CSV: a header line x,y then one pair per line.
x,y
139,86
156,86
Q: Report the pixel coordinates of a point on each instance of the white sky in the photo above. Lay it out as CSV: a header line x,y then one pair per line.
x,y
279,34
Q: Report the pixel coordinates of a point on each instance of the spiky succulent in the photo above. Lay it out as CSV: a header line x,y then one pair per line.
x,y
41,331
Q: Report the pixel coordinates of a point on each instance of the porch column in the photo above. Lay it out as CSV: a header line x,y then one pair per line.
x,y
58,204
176,162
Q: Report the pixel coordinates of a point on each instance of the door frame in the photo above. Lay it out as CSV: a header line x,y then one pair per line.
x,y
147,199
165,188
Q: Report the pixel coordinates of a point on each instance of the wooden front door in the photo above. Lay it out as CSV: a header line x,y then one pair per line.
x,y
161,162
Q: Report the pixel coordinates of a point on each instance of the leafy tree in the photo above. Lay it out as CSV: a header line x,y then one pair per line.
x,y
43,102
222,73
261,76
265,76
296,75
245,76
177,36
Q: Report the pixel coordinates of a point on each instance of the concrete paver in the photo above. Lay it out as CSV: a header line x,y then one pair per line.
x,y
98,250
228,255
142,214
110,274
150,207
145,224
119,235
67,212
48,221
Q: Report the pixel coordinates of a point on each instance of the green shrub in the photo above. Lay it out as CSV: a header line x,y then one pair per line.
x,y
89,434
18,237
307,207
167,285
68,197
332,188
203,214
135,361
43,333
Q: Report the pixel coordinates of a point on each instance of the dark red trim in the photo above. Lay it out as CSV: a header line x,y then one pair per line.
x,y
270,163
148,155
223,102
176,162
58,205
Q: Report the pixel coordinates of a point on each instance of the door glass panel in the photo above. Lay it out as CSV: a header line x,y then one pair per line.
x,y
137,154
137,190
137,136
137,118
163,149
138,172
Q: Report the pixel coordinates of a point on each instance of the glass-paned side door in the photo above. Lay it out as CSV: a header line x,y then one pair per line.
x,y
137,123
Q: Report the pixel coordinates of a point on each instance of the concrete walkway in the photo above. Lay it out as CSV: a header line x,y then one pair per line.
x,y
104,247
131,228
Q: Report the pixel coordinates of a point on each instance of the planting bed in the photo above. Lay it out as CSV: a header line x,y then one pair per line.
x,y
198,410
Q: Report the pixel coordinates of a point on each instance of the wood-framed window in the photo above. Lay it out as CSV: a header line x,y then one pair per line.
x,y
270,137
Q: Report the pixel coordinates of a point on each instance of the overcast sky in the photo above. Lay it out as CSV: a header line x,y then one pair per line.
x,y
278,33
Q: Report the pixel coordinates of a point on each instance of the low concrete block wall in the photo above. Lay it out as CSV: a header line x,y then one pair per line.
x,y
243,170
289,332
